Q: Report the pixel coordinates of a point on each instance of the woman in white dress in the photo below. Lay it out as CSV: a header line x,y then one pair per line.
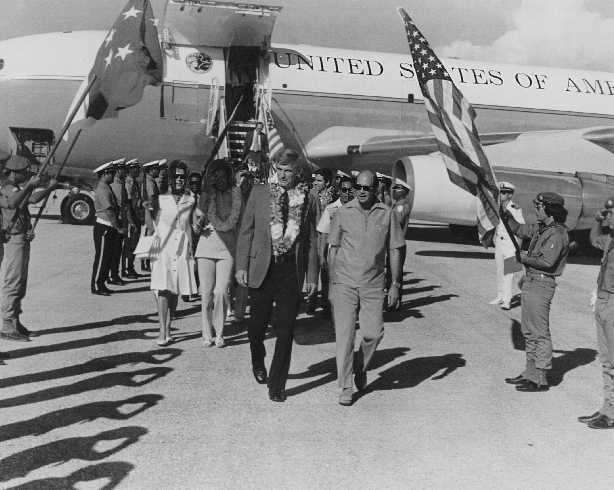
x,y
219,211
172,271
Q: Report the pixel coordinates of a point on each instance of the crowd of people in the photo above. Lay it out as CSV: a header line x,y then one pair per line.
x,y
272,237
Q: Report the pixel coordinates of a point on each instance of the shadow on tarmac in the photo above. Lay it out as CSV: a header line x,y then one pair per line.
x,y
327,369
155,357
113,471
93,448
456,254
122,320
130,379
412,372
115,410
569,360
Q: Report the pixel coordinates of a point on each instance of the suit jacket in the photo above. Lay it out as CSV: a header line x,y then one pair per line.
x,y
264,142
254,248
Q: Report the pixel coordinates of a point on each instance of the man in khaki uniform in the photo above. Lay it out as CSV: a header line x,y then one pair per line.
x,y
134,216
362,233
17,231
604,315
544,261
118,186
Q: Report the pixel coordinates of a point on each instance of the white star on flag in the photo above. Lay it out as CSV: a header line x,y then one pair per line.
x,y
131,13
109,59
123,52
109,37
155,21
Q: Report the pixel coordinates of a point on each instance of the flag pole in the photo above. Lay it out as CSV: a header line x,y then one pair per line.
x,y
42,208
222,135
67,124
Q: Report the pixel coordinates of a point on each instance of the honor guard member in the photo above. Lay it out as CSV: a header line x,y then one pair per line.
x,y
118,186
162,178
544,261
504,248
150,193
601,238
106,227
15,195
134,217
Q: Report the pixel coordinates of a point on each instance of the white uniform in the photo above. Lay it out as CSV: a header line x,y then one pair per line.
x,y
504,249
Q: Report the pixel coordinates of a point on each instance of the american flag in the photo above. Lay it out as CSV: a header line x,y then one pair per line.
x,y
276,145
453,122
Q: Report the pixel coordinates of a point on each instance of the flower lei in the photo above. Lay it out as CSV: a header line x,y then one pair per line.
x,y
283,242
327,196
231,221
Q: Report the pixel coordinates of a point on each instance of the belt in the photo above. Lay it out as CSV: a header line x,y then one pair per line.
x,y
539,275
283,259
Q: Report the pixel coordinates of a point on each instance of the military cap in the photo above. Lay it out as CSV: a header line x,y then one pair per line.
x,y
162,163
104,167
153,163
120,162
133,162
17,162
401,184
609,203
506,186
551,198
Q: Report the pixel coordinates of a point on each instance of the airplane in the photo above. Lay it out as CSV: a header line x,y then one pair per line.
x,y
542,128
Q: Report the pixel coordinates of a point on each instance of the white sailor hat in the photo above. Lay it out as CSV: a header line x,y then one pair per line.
x,y
153,163
120,162
133,162
341,173
401,183
506,186
104,167
162,163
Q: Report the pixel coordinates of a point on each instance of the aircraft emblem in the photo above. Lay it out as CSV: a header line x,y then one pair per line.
x,y
199,62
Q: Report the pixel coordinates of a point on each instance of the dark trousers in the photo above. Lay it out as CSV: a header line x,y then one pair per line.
x,y
279,286
117,248
103,248
130,242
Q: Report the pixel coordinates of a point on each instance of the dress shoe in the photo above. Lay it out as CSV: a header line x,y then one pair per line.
x,y
15,336
279,397
531,387
23,330
585,419
102,290
360,379
346,397
518,380
496,301
260,375
131,275
602,422
116,281
505,306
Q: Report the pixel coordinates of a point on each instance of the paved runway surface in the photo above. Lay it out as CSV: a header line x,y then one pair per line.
x,y
94,403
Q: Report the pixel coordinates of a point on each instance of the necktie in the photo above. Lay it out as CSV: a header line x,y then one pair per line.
x,y
283,204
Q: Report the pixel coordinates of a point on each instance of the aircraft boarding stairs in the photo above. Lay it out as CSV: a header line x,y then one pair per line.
x,y
237,134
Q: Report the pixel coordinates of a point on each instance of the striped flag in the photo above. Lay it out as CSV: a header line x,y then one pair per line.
x,y
453,122
276,145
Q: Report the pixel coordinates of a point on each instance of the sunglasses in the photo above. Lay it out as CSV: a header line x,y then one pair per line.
x,y
506,192
363,187
180,176
538,204
345,190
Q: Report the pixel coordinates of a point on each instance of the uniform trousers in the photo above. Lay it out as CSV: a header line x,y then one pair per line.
x,y
14,275
134,233
350,303
604,321
280,286
117,247
103,249
536,298
504,281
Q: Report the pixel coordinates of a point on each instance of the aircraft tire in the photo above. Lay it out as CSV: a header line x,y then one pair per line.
x,y
79,210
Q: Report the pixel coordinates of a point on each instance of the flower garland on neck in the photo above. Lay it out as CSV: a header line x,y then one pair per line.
x,y
282,242
231,221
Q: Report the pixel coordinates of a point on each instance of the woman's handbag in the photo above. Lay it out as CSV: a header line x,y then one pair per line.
x,y
144,248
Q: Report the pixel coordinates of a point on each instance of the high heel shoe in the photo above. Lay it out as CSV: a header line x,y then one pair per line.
x,y
219,342
207,341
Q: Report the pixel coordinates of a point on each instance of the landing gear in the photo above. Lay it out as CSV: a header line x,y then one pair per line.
x,y
78,210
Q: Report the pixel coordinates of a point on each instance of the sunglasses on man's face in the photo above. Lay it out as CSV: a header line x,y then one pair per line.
x,y
363,187
346,190
506,192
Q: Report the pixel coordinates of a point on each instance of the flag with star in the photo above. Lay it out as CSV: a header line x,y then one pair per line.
x,y
127,61
452,119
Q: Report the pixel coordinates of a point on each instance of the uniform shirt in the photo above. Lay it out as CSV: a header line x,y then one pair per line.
x,y
605,280
501,238
363,238
327,216
548,249
133,193
22,218
105,204
402,210
119,189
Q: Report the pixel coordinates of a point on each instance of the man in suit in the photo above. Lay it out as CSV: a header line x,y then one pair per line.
x,y
256,145
276,244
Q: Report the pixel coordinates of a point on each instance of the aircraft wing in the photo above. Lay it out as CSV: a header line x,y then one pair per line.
x,y
355,148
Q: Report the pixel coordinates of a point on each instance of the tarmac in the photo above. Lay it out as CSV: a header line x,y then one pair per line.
x,y
93,402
